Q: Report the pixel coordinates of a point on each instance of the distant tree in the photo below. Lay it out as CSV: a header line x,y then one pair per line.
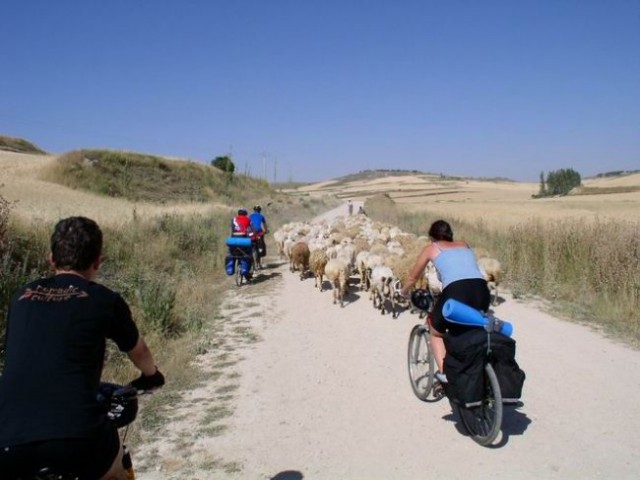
x,y
560,182
543,187
224,163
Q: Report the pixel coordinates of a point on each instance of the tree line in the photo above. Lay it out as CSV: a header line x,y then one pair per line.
x,y
558,182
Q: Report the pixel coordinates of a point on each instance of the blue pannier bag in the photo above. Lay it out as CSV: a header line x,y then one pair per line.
x,y
230,265
245,266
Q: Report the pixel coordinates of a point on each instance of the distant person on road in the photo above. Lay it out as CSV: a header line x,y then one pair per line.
x,y
461,279
55,347
361,211
350,207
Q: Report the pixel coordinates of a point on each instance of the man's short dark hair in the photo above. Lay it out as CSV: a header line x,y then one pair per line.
x,y
76,243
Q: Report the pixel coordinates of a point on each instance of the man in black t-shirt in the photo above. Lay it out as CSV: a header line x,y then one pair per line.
x,y
55,343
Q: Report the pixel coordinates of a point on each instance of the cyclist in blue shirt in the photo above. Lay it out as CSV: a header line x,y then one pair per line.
x,y
258,222
259,226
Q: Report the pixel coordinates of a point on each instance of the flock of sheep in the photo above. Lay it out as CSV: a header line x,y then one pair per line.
x,y
379,255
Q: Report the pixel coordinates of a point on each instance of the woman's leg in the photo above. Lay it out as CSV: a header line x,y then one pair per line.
x,y
437,347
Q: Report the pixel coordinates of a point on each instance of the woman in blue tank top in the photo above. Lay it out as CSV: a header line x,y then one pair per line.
x,y
461,279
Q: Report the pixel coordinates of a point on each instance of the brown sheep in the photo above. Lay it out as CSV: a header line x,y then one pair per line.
x,y
299,259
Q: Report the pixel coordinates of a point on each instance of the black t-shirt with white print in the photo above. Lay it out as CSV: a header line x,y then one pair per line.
x,y
55,344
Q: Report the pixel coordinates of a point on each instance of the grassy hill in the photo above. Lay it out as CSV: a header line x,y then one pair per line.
x,y
142,177
19,145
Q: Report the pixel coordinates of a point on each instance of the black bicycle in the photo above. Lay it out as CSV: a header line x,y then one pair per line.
x,y
483,418
121,406
258,249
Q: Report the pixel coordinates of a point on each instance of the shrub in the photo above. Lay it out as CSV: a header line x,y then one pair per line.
x,y
224,163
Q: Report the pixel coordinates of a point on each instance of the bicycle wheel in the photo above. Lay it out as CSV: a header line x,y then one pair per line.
x,y
421,362
257,264
239,277
483,422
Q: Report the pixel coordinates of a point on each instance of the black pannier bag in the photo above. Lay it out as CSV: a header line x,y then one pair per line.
x,y
464,366
503,359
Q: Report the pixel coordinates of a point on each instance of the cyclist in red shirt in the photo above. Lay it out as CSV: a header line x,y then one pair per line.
x,y
241,224
241,227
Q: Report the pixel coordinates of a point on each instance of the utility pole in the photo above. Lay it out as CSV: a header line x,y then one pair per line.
x,y
275,168
264,165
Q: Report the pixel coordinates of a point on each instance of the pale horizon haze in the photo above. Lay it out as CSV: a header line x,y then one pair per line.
x,y
313,90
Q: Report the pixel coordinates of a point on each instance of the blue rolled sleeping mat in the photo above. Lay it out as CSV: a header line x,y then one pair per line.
x,y
461,313
238,242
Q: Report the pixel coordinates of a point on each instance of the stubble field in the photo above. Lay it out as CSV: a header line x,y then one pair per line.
x,y
496,203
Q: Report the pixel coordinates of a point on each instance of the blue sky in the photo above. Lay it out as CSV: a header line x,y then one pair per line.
x,y
311,90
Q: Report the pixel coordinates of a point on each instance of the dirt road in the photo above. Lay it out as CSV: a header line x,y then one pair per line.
x,y
325,395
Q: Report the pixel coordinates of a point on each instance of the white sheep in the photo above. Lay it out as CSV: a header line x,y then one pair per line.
x,y
278,237
492,271
433,280
361,267
317,263
336,271
383,288
370,263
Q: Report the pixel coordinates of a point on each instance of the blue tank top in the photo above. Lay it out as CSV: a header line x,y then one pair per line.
x,y
456,264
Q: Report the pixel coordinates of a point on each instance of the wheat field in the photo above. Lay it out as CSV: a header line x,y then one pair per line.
x,y
496,203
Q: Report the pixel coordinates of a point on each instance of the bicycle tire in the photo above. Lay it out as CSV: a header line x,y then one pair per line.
x,y
421,362
239,277
484,422
257,263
